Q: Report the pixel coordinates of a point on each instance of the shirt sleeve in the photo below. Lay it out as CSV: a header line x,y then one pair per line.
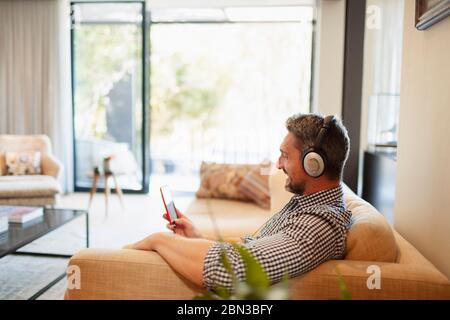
x,y
296,249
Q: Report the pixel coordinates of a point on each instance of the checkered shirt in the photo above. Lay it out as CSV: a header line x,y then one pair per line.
x,y
308,231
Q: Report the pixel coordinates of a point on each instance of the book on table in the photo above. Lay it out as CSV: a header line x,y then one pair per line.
x,y
20,214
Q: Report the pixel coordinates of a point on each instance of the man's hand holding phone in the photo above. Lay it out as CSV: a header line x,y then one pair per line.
x,y
178,222
182,226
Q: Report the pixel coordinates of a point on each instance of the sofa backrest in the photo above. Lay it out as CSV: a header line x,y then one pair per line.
x,y
369,238
16,143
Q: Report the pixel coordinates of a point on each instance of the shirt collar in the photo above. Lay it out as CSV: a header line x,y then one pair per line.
x,y
321,197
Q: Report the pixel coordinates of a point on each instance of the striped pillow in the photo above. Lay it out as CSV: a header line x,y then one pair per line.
x,y
256,187
221,180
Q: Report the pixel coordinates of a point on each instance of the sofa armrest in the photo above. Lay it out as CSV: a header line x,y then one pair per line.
x,y
50,165
127,274
397,281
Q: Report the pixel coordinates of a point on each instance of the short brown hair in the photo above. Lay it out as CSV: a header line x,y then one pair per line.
x,y
335,144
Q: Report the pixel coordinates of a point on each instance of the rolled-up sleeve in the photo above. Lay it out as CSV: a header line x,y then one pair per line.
x,y
294,250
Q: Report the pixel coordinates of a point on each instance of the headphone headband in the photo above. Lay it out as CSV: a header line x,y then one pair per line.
x,y
327,121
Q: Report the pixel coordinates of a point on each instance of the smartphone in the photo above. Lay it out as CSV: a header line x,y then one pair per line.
x,y
171,211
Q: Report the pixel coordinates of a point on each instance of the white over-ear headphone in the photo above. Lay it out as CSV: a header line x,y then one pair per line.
x,y
314,158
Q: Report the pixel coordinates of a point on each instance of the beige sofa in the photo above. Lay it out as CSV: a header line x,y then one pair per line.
x,y
405,273
35,190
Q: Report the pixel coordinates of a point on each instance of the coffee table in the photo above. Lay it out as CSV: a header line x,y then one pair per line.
x,y
20,235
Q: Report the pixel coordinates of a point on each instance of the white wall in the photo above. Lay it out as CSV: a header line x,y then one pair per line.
x,y
422,211
329,57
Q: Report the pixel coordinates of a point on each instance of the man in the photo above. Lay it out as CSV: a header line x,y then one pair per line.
x,y
308,231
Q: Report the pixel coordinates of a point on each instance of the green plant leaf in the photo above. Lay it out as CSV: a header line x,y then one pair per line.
x,y
223,293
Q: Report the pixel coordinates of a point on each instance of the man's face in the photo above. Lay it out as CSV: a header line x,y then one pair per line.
x,y
290,162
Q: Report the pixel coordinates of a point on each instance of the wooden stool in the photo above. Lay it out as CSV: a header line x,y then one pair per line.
x,y
107,175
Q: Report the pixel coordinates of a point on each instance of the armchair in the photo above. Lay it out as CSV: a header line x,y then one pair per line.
x,y
36,190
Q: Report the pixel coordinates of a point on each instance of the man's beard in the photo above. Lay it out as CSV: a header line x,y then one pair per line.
x,y
296,188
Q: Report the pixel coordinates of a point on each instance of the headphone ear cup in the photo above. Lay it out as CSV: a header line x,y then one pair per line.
x,y
313,164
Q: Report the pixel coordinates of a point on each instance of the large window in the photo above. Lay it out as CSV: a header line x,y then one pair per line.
x,y
223,83
107,51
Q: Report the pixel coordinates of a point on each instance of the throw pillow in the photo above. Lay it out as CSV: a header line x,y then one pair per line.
x,y
23,163
222,180
255,186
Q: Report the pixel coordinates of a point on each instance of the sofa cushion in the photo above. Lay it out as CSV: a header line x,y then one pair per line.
x,y
370,237
34,201
28,186
232,218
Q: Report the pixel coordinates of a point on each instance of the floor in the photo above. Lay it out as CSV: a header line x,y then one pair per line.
x,y
21,276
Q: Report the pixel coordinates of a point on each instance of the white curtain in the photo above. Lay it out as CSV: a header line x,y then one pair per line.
x,y
35,96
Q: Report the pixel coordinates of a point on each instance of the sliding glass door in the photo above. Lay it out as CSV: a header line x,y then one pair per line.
x,y
108,50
